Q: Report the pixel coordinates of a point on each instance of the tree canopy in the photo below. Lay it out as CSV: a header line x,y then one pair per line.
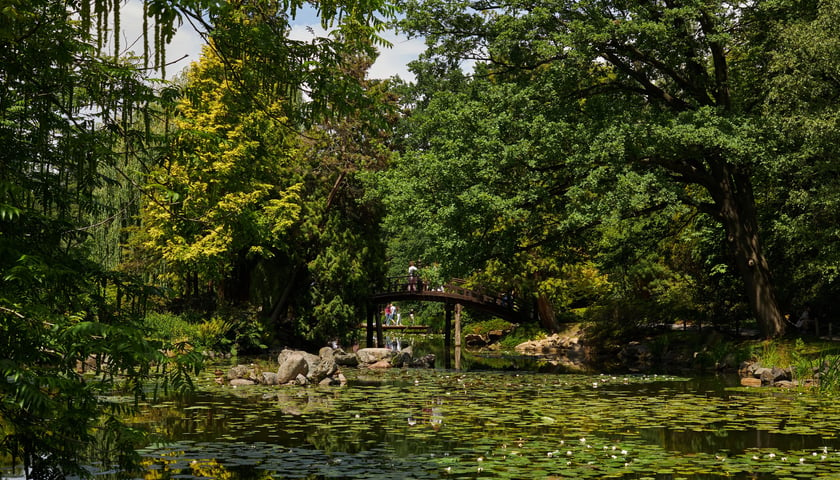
x,y
612,161
605,111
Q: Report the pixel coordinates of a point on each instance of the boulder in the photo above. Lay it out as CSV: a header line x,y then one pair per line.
x,y
426,361
325,367
345,359
312,361
384,363
293,365
301,379
373,355
239,371
402,358
269,378
241,382
750,382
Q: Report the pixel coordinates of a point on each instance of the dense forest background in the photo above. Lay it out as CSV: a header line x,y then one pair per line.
x,y
618,163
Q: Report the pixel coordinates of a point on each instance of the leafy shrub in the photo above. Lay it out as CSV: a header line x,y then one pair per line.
x,y
213,334
483,327
522,333
169,326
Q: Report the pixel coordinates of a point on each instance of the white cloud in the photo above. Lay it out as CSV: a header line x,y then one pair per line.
x,y
391,61
394,61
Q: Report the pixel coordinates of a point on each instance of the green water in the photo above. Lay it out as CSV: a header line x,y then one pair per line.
x,y
480,423
490,424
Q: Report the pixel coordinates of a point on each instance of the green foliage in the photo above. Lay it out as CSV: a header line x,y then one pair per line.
x,y
817,366
773,354
485,326
522,333
613,135
168,325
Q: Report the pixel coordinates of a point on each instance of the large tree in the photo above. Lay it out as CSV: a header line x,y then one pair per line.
x,y
671,90
65,107
72,117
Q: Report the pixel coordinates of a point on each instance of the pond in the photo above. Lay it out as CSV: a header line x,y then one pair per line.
x,y
430,424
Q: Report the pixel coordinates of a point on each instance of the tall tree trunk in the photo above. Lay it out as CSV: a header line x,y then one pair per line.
x,y
735,203
546,314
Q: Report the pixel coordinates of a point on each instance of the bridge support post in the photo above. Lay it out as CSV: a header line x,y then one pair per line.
x,y
447,336
371,314
380,341
457,336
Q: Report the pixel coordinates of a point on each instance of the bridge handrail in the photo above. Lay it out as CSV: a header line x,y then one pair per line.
x,y
403,284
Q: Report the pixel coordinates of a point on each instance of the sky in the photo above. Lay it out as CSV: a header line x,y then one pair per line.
x,y
391,61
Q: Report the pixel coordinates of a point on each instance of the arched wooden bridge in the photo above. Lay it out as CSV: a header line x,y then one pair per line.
x,y
453,295
502,305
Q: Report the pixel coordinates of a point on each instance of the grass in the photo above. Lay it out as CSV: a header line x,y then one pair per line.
x,y
815,363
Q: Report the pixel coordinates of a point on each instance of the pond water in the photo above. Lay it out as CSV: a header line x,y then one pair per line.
x,y
479,423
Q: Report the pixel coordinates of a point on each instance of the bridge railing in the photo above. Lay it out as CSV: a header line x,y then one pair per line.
x,y
456,286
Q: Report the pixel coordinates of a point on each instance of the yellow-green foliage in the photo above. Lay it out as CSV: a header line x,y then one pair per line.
x,y
222,191
573,282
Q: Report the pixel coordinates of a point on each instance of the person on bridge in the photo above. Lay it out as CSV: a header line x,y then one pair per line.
x,y
412,277
389,316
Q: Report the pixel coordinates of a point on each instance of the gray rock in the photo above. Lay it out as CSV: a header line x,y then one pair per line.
x,y
401,358
426,361
241,382
282,356
384,363
239,371
293,365
750,382
311,362
346,359
301,380
373,355
269,378
325,367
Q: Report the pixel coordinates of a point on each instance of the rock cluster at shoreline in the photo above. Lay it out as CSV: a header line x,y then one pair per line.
x,y
754,375
561,349
297,367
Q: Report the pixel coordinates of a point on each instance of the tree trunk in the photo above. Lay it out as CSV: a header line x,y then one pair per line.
x,y
735,202
545,312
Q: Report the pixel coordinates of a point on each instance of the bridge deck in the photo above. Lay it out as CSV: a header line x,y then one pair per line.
x,y
405,328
